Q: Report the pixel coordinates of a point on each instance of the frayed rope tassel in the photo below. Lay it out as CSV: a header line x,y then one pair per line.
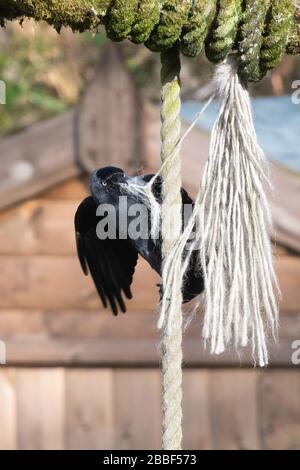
x,y
233,226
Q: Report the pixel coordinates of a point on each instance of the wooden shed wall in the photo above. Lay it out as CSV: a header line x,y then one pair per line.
x,y
79,378
113,408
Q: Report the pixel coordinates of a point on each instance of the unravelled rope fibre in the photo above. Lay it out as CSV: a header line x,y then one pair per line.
x,y
171,229
233,225
261,30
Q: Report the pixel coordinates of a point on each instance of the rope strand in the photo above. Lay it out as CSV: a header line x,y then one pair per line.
x,y
171,214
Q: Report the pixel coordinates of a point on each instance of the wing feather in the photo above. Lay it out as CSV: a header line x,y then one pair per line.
x,y
111,263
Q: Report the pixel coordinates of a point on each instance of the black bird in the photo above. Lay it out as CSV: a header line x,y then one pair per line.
x,y
111,261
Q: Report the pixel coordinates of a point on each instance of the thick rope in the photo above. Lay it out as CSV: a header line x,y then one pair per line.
x,y
197,27
120,19
277,33
147,17
252,29
173,16
162,23
171,216
224,30
293,46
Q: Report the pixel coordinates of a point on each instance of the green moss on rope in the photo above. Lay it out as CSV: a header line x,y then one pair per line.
x,y
251,35
293,46
80,15
173,16
224,30
277,33
147,17
120,18
162,24
197,27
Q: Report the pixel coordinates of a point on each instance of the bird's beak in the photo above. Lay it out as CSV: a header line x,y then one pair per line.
x,y
119,178
125,179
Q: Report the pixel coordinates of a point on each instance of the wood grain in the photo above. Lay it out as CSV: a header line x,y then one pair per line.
x,y
137,409
112,408
196,410
279,410
8,409
51,282
78,324
73,189
110,119
39,227
288,270
41,408
89,409
97,338
30,282
233,409
34,159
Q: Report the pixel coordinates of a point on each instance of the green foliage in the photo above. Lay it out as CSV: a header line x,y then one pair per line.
x,y
44,72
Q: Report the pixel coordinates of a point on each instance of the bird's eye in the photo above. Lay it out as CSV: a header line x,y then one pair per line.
x,y
104,183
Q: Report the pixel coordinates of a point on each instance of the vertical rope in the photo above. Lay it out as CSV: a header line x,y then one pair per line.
x,y
171,342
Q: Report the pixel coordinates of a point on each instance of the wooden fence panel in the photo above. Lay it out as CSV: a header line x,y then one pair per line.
x,y
137,409
56,282
41,408
52,282
97,338
8,410
89,409
112,408
233,409
39,150
279,409
39,226
196,410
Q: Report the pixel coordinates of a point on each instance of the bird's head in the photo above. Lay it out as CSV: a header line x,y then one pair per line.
x,y
105,184
110,186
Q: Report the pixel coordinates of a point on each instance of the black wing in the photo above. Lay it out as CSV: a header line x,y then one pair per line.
x,y
111,263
